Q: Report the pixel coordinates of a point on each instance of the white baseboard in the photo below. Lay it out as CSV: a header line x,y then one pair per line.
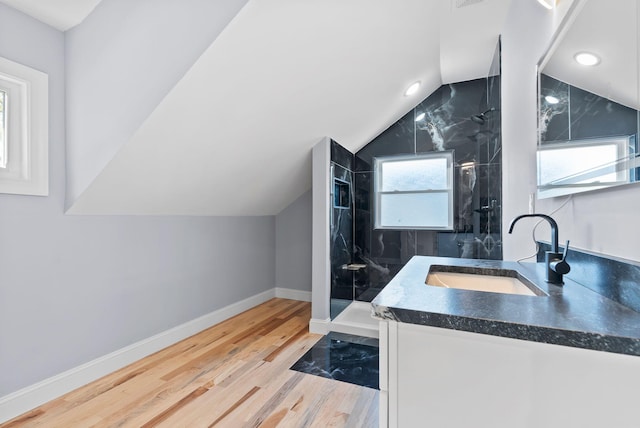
x,y
289,293
25,399
318,326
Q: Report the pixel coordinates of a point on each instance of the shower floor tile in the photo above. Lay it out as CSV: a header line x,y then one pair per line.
x,y
345,358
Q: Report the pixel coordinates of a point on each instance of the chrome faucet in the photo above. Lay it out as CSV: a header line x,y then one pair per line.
x,y
555,261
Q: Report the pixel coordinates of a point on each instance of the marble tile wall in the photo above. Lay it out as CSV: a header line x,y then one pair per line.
x,y
341,156
341,233
579,114
463,117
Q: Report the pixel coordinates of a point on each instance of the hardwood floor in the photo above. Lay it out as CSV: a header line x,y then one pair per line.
x,y
234,374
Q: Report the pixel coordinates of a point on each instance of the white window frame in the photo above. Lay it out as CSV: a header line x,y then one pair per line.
x,y
3,130
27,137
378,192
572,183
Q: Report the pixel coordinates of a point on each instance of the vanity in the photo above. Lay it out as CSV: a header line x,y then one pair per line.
x,y
560,356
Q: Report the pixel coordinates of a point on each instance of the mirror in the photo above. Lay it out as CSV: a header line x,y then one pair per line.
x,y
588,115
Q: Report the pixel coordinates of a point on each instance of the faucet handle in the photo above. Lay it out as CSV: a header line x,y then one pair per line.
x,y
561,266
566,250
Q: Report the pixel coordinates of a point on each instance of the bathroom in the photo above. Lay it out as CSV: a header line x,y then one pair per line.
x,y
87,274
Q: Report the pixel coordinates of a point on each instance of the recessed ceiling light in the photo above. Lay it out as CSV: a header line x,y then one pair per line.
x,y
420,116
549,4
412,89
586,58
551,99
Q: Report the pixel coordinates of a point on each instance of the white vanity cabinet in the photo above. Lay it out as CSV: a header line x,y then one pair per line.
x,y
436,377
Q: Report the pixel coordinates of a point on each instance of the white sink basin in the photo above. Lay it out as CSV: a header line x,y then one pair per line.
x,y
507,282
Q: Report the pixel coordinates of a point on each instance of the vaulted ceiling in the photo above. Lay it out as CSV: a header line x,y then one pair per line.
x,y
611,31
216,114
60,14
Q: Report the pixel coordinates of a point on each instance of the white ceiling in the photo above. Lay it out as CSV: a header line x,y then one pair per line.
x,y
610,30
60,14
234,136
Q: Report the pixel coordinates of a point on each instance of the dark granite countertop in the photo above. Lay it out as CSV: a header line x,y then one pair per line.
x,y
571,315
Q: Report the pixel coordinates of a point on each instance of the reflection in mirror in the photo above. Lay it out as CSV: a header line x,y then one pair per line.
x,y
588,116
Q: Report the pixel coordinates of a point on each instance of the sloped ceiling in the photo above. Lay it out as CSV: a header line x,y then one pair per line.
x,y
60,14
234,135
610,30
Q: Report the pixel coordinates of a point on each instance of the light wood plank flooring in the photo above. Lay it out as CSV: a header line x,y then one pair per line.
x,y
235,374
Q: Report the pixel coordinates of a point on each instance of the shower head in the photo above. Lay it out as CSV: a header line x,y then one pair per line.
x,y
481,118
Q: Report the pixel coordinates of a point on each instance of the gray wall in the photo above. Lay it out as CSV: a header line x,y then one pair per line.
x,y
601,221
156,42
293,245
73,288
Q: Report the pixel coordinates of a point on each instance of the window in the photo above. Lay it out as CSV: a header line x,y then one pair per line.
x,y
23,130
3,129
414,192
578,166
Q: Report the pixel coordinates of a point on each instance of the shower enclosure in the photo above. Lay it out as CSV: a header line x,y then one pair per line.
x,y
462,118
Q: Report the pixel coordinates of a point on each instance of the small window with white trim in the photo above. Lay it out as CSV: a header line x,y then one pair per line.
x,y
581,165
24,130
414,191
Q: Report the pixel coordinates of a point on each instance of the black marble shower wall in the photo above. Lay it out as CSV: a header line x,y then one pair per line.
x,y
341,222
463,117
579,114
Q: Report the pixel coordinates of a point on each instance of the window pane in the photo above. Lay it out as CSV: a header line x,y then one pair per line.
x,y
415,210
557,164
414,174
3,129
